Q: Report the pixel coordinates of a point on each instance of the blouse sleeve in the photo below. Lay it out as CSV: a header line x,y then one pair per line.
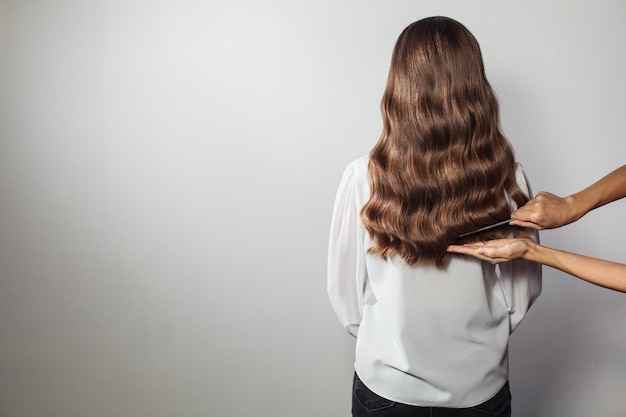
x,y
521,279
346,267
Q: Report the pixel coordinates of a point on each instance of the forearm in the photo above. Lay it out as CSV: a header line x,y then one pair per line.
x,y
596,271
609,188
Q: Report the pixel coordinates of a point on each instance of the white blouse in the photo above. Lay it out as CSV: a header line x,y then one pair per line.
x,y
424,336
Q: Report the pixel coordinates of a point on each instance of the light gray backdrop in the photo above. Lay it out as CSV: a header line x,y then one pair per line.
x,y
167,173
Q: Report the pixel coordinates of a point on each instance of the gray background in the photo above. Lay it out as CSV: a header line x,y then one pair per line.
x,y
167,174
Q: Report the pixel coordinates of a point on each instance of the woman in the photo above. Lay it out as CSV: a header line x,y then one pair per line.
x,y
548,211
432,328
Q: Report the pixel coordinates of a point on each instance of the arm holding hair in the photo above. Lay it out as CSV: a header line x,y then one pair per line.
x,y
548,211
607,274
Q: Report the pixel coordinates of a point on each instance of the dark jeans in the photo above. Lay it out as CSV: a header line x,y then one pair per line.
x,y
367,404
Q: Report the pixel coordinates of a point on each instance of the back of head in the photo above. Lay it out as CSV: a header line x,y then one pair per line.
x,y
441,166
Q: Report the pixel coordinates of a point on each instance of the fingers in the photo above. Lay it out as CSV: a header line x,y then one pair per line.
x,y
527,224
479,251
467,249
493,251
533,211
545,211
464,249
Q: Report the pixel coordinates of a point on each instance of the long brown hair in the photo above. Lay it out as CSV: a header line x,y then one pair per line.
x,y
441,167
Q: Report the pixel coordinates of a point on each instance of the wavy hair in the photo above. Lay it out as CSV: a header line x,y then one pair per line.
x,y
442,166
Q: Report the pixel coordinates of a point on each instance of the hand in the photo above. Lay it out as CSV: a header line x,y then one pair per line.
x,y
546,211
495,251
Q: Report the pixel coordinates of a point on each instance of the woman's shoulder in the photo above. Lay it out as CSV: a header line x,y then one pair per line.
x,y
522,180
359,166
355,176
357,170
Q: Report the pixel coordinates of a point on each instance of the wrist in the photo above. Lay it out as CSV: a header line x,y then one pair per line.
x,y
579,206
532,250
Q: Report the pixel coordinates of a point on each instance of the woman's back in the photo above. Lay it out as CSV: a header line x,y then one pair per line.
x,y
427,336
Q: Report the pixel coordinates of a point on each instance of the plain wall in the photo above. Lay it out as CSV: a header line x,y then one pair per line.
x,y
167,175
